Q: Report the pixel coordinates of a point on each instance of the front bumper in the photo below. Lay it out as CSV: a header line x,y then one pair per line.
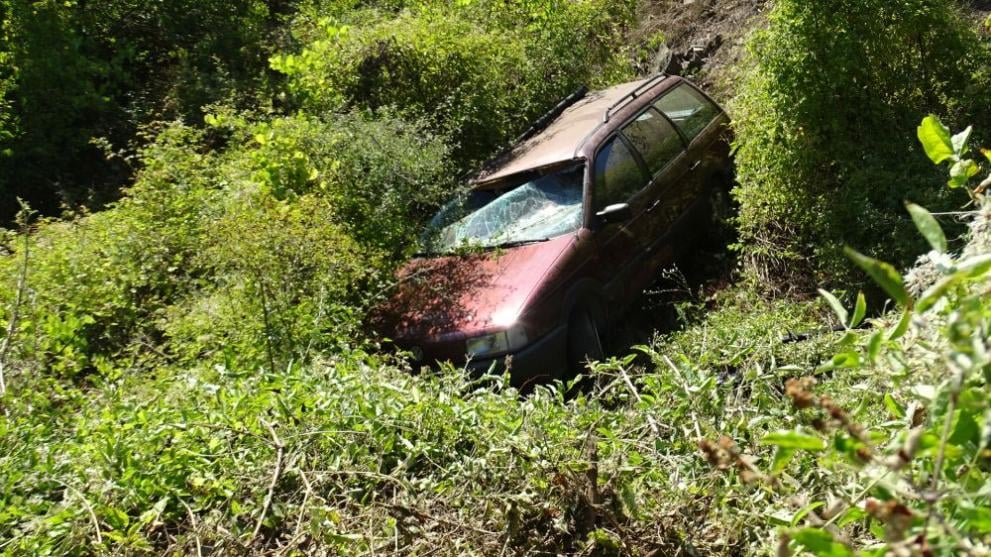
x,y
543,360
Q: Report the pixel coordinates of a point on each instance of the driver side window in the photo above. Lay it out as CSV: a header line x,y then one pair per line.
x,y
618,175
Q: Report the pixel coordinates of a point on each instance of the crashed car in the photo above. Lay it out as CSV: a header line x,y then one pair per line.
x,y
530,267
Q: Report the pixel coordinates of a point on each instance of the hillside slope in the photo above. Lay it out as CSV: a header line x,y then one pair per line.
x,y
185,372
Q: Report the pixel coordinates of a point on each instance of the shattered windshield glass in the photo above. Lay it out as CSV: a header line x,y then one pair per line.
x,y
533,209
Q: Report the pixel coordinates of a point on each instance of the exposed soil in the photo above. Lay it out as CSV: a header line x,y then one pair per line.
x,y
703,39
706,39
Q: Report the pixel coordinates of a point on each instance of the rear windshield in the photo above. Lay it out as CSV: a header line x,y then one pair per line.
x,y
531,209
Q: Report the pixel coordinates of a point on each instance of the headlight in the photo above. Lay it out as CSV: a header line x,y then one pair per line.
x,y
493,344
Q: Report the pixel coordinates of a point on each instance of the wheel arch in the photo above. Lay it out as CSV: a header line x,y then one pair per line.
x,y
587,293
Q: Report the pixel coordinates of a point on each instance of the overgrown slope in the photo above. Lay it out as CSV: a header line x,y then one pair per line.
x,y
185,371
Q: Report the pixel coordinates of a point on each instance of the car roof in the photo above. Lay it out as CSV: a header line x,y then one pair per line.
x,y
561,140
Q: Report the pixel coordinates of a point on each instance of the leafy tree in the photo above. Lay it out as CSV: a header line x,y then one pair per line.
x,y
80,78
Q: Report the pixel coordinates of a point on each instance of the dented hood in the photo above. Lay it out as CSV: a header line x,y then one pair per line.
x,y
462,295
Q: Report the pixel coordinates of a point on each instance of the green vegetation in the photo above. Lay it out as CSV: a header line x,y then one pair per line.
x,y
826,150
184,370
254,254
480,71
80,79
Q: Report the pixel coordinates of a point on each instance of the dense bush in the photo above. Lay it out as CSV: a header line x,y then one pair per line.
x,y
186,375
481,71
78,79
825,130
905,470
355,453
259,252
256,236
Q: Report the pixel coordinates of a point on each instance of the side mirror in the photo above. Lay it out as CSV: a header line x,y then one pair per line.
x,y
620,212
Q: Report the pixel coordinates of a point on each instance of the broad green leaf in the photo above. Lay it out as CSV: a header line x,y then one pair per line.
x,y
846,360
902,326
961,172
965,429
116,518
782,457
936,292
936,140
794,440
821,543
987,154
978,518
874,346
961,140
851,515
892,405
859,311
928,226
884,274
837,306
802,513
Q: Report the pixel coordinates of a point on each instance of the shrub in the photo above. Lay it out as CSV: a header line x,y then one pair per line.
x,y
97,282
82,78
825,126
480,72
380,177
355,453
264,250
909,467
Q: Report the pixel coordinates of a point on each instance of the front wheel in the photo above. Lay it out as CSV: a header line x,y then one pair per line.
x,y
584,340
719,230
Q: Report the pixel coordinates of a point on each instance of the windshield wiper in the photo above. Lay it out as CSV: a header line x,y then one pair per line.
x,y
504,245
518,243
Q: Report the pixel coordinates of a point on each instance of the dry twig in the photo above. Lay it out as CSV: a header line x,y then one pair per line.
x,y
23,216
279,450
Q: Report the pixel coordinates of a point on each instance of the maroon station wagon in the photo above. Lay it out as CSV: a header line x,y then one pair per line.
x,y
535,262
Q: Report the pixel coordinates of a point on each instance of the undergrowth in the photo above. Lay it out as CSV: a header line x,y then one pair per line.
x,y
824,122
354,454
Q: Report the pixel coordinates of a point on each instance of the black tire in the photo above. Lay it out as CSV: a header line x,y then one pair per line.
x,y
719,229
584,340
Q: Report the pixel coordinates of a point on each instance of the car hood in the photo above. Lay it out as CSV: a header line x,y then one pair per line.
x,y
462,295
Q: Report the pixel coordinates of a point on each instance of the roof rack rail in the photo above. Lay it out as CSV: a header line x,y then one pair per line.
x,y
632,95
552,114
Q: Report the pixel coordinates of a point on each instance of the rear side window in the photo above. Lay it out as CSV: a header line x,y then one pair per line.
x,y
655,139
688,109
617,174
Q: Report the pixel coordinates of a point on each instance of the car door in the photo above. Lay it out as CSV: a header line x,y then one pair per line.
x,y
618,176
697,120
662,150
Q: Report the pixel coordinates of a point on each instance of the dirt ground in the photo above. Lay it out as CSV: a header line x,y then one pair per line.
x,y
703,39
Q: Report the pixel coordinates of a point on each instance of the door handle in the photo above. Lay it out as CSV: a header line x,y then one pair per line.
x,y
695,166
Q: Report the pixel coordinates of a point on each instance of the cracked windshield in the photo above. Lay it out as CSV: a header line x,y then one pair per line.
x,y
539,209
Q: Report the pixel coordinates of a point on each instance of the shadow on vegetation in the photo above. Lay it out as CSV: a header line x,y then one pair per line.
x,y
694,278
